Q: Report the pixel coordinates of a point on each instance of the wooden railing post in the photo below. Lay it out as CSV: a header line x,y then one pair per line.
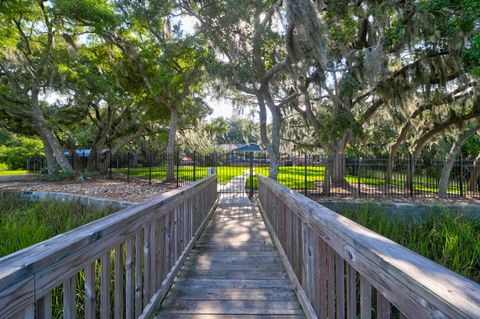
x,y
147,244
325,254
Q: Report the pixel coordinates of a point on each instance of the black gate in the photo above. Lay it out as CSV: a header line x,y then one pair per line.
x,y
236,172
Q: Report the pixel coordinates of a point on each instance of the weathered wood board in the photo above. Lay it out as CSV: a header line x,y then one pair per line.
x,y
234,271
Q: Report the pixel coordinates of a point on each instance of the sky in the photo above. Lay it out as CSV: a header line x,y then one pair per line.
x,y
221,108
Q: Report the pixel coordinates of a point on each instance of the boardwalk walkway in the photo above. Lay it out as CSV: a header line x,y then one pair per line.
x,y
234,270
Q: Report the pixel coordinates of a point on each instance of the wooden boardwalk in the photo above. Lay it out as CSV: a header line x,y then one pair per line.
x,y
234,271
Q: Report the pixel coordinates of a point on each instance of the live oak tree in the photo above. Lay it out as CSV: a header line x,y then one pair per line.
x,y
250,56
353,58
30,40
466,133
169,65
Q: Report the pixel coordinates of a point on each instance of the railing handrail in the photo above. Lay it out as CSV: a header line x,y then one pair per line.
x,y
86,243
417,286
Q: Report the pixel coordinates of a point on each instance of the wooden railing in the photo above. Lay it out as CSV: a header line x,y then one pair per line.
x,y
343,270
120,266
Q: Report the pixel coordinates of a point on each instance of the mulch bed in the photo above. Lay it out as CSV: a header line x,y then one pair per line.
x,y
116,189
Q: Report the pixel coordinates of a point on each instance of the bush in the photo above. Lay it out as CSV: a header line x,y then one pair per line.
x,y
3,167
18,150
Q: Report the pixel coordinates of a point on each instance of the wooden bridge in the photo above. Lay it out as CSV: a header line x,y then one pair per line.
x,y
192,254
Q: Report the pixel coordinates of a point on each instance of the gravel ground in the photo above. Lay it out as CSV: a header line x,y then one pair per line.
x,y
117,189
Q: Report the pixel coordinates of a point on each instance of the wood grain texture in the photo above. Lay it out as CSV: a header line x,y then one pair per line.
x,y
69,309
237,277
119,301
90,294
44,307
418,287
54,261
129,278
365,299
138,275
105,287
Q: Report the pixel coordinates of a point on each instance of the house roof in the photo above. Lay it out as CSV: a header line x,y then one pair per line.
x,y
248,148
229,147
84,152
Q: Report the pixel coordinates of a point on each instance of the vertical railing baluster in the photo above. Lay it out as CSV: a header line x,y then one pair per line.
x,y
69,311
138,274
90,291
118,283
105,286
351,292
365,298
129,279
146,264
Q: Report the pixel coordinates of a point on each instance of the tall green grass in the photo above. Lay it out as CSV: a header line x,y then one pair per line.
x,y
24,223
444,236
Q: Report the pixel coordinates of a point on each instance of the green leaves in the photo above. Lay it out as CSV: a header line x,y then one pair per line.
x,y
472,56
97,13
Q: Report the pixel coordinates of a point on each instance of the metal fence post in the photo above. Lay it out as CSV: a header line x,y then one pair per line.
x,y
150,167
128,166
461,175
178,165
358,176
194,165
410,173
305,175
72,159
110,164
251,176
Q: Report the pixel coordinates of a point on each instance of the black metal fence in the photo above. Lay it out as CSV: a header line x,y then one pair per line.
x,y
310,174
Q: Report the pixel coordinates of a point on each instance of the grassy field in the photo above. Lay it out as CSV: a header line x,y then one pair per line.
x,y
291,176
224,174
10,172
443,236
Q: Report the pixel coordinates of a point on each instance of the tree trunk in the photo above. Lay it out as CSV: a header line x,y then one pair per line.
x,y
473,182
394,150
172,131
447,168
336,168
136,156
273,146
52,166
274,151
47,136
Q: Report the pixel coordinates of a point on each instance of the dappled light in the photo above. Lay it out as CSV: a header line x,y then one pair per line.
x,y
220,125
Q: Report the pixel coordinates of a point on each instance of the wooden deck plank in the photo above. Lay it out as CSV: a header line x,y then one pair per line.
x,y
189,293
210,316
233,307
234,271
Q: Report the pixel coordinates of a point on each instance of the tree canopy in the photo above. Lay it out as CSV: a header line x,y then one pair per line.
x,y
376,78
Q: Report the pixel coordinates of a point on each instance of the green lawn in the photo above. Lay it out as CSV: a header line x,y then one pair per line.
x,y
10,172
290,176
224,174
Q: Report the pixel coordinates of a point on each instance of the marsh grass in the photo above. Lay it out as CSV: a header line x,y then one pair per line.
x,y
24,223
444,236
